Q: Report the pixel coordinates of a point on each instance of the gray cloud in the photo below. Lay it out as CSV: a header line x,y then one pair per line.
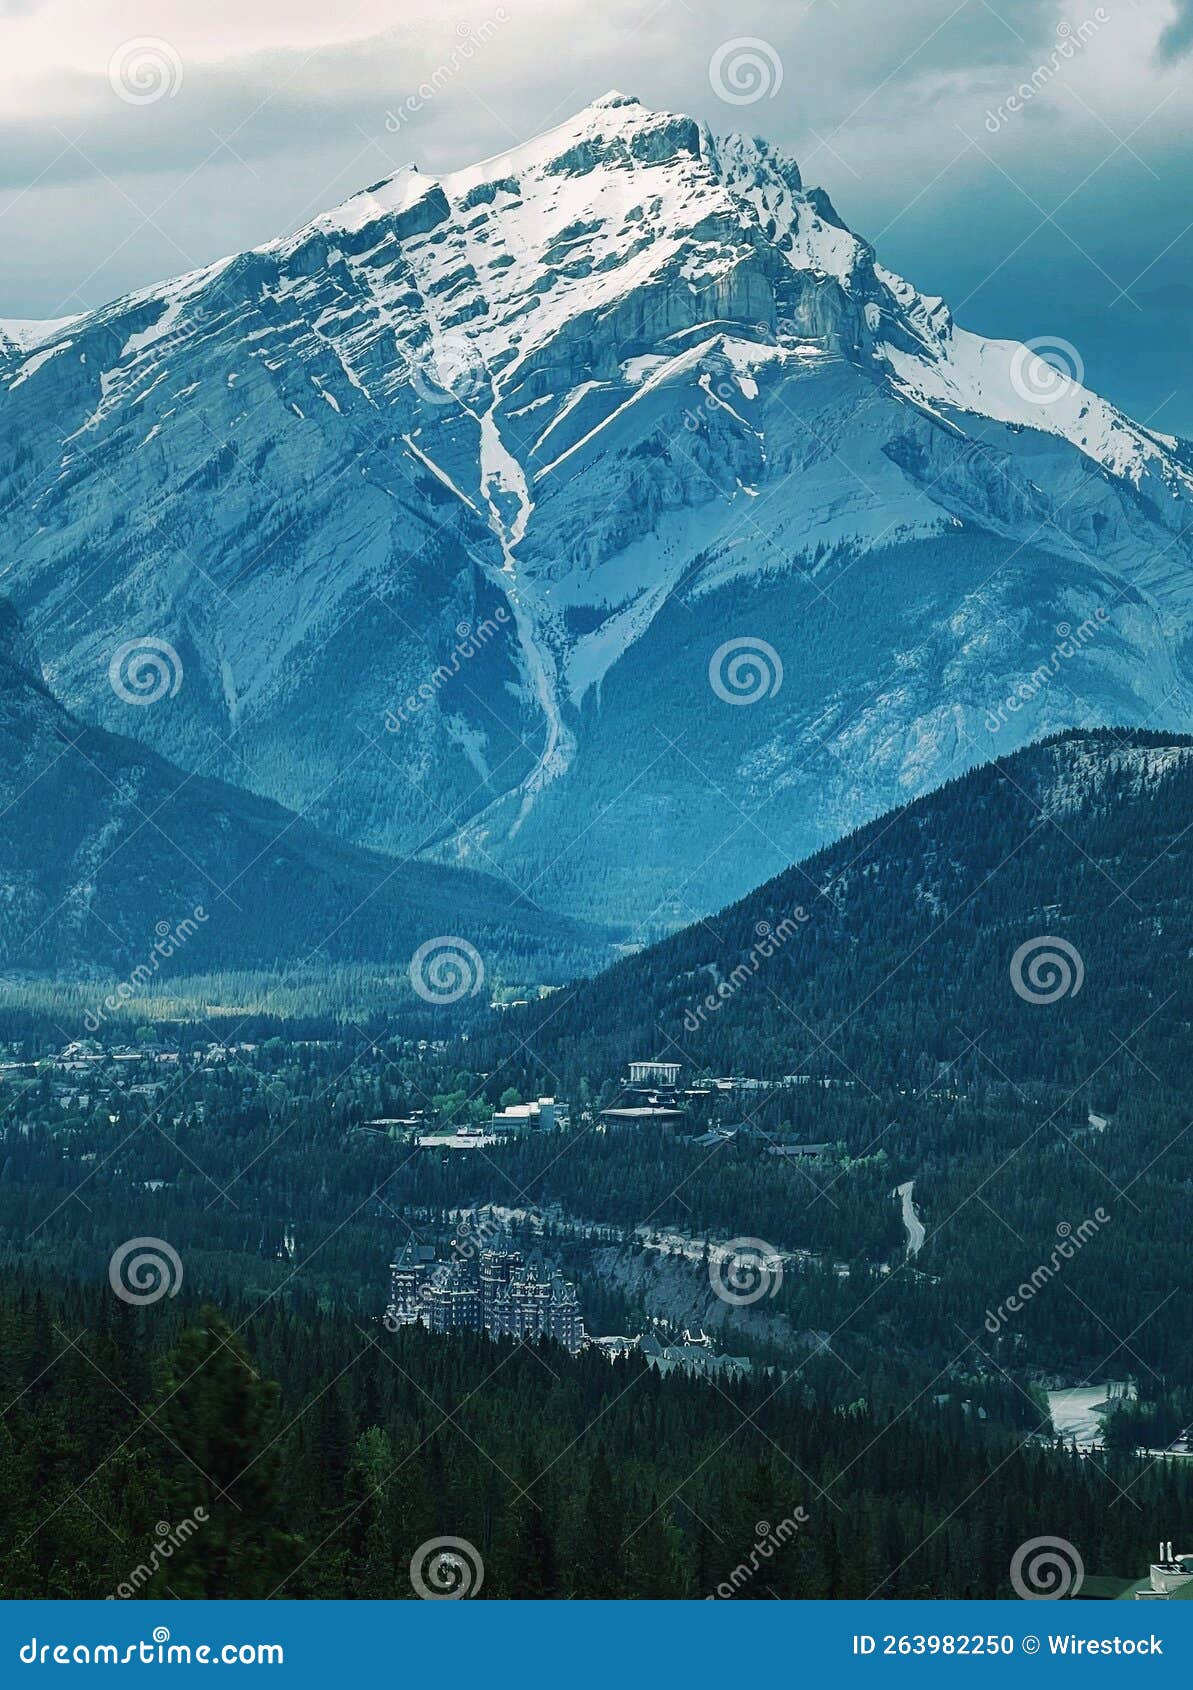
x,y
88,132
1177,38
877,103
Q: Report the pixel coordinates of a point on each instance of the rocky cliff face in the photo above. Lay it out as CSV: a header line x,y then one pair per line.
x,y
449,503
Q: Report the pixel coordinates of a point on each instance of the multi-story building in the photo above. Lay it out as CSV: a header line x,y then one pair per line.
x,y
655,1073
650,1097
497,1292
408,1277
541,1114
565,1320
533,1304
496,1269
451,1299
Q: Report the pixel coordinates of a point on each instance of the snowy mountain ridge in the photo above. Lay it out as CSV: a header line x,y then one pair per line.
x,y
541,193
625,367
23,334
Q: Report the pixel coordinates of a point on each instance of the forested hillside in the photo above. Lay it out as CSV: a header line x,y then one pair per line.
x,y
303,1454
882,957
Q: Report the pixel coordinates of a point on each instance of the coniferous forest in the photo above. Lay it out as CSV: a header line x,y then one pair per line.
x,y
312,1459
883,1407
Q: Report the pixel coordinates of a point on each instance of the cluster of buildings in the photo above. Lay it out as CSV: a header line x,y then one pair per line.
x,y
541,1114
692,1353
84,1056
747,1131
650,1095
499,1291
653,1093
495,1291
1169,1579
84,1075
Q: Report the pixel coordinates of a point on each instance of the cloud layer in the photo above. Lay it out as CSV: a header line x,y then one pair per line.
x,y
1067,215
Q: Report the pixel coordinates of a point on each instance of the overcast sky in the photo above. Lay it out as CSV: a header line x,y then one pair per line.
x,y
139,139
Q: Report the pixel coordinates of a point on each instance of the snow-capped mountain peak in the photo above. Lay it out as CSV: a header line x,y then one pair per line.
x,y
623,363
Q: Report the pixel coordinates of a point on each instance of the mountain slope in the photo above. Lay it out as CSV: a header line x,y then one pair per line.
x,y
457,493
1039,906
110,857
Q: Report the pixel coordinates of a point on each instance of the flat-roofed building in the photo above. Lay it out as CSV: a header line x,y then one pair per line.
x,y
655,1073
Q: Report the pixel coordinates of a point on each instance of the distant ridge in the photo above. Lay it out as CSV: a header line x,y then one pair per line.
x,y
1068,868
106,848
